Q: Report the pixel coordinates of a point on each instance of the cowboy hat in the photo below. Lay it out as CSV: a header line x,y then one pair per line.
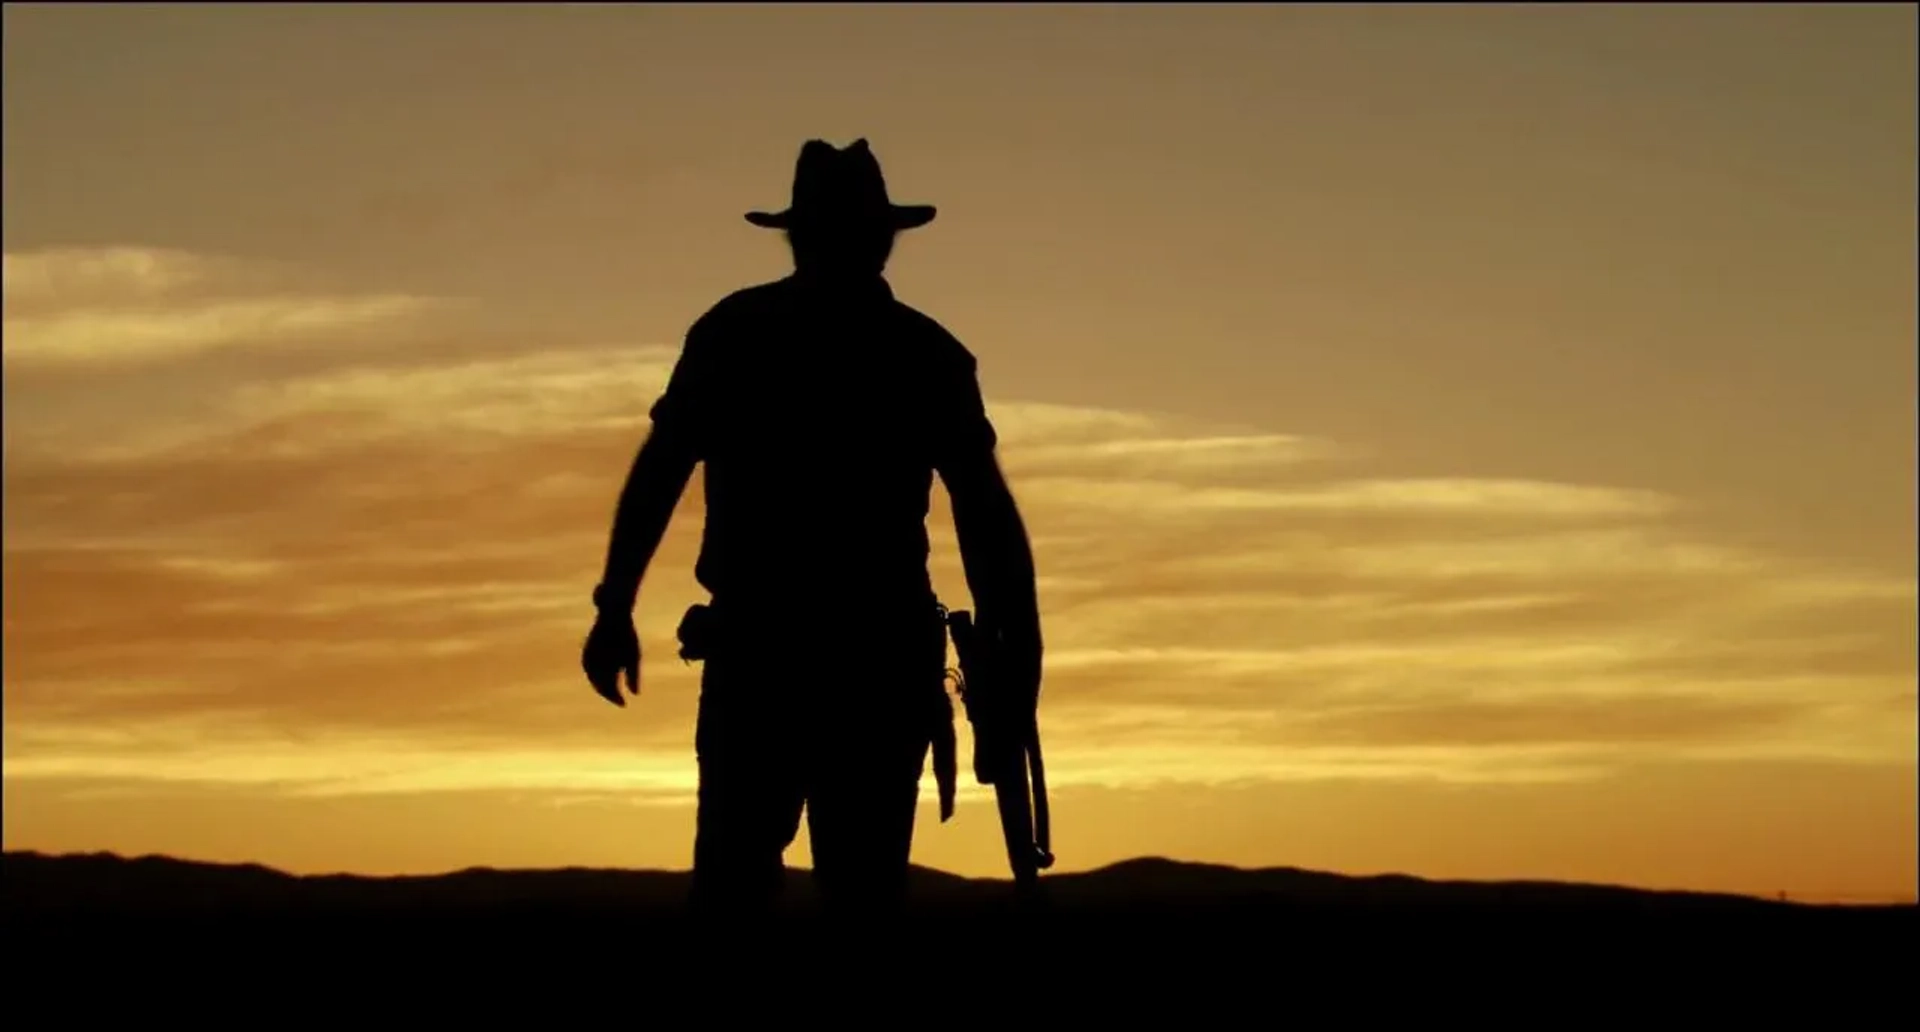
x,y
841,185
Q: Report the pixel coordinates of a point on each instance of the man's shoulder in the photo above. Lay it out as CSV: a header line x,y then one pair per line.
x,y
744,304
747,312
940,343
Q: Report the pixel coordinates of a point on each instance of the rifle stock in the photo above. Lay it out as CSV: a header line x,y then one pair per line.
x,y
1006,749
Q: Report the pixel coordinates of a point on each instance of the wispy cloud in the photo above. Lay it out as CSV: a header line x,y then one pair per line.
x,y
139,306
70,278
370,575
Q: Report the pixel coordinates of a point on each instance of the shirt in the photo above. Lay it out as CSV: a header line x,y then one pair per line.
x,y
822,413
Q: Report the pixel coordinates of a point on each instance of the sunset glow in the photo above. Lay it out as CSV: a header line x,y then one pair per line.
x,y
1473,443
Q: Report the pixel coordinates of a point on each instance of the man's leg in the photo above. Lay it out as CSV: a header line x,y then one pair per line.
x,y
750,797
870,736
860,815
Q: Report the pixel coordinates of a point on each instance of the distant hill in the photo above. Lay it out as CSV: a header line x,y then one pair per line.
x,y
35,885
162,937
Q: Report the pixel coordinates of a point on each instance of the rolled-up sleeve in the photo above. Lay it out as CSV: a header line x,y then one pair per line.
x,y
684,410
962,428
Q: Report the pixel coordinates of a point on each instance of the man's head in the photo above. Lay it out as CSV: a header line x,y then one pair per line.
x,y
841,221
841,250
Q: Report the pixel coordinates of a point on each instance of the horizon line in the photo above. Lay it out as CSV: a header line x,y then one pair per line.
x,y
1773,896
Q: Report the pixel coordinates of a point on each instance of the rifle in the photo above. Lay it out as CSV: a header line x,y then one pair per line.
x,y
1006,748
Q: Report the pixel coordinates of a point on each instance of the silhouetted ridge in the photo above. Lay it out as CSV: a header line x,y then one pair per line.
x,y
105,884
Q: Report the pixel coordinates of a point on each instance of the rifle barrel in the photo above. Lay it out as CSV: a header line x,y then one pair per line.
x,y
1011,745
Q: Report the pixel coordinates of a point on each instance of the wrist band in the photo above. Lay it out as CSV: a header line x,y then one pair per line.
x,y
602,597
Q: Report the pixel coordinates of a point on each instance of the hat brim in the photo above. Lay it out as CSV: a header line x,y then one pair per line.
x,y
899,216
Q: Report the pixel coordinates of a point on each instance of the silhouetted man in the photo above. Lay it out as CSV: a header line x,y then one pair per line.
x,y
822,408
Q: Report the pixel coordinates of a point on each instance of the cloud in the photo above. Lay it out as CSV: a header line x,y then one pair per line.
x,y
1170,496
82,277
517,396
133,306
138,336
369,573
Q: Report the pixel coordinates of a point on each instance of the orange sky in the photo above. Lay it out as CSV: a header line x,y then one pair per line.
x,y
1469,442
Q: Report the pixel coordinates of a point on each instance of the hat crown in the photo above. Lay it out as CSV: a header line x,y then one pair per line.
x,y
842,185
838,180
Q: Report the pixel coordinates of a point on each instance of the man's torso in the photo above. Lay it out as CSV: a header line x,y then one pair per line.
x,y
822,417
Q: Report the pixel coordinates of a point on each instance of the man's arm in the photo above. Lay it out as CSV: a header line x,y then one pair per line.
x,y
994,548
660,471
654,484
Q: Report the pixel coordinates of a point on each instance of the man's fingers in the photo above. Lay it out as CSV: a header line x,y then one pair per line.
x,y
633,678
607,686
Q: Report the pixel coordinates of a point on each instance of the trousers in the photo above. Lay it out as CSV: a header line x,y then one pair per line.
x,y
782,733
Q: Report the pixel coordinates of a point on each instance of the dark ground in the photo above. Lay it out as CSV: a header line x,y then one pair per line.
x,y
1141,929
36,886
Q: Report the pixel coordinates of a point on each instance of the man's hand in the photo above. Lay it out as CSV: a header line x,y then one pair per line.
x,y
612,648
1020,656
